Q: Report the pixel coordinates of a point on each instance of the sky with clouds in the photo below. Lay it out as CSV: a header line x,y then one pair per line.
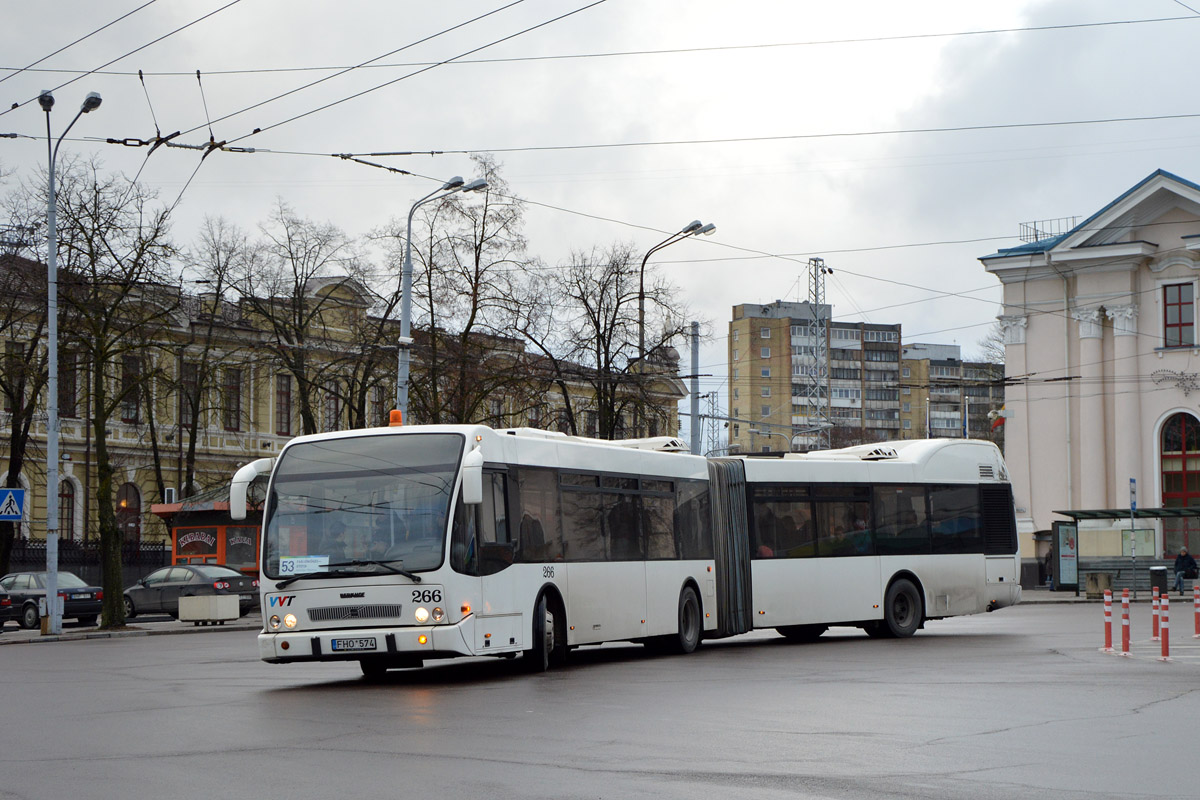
x,y
830,110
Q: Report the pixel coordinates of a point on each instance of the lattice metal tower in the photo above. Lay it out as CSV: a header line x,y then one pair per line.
x,y
816,375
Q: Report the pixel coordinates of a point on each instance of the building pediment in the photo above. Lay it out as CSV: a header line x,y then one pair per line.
x,y
1125,218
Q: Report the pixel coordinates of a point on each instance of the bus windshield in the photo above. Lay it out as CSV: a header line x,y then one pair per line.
x,y
362,499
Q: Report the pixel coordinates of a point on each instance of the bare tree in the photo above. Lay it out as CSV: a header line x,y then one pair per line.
x,y
583,320
23,370
471,254
289,288
116,294
991,345
216,335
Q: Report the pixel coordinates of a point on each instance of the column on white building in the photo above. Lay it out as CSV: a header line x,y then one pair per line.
x,y
1127,404
1016,425
1093,459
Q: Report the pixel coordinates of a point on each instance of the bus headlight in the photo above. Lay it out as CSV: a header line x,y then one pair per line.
x,y
438,615
290,620
275,622
422,614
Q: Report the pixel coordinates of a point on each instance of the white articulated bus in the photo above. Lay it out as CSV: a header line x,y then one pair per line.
x,y
394,546
881,536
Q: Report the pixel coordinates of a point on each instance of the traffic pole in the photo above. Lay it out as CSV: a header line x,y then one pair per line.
x,y
1108,648
1196,610
1166,629
1125,622
1154,601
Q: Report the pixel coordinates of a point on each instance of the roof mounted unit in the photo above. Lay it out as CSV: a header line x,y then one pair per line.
x,y
879,454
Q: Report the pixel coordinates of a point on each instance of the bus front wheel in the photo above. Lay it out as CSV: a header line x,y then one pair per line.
x,y
902,609
537,657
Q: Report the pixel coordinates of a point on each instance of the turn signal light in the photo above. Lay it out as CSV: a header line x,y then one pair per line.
x,y
422,639
466,609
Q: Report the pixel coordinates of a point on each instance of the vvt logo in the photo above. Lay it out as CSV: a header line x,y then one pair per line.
x,y
281,600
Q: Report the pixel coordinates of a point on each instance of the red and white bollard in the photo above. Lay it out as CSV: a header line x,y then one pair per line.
x,y
1154,616
1125,622
1196,610
1164,610
1108,648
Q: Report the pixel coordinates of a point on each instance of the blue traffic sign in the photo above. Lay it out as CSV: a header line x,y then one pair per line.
x,y
12,505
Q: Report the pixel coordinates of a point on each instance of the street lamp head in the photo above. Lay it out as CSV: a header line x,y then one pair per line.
x,y
46,100
453,183
706,230
692,227
91,102
477,185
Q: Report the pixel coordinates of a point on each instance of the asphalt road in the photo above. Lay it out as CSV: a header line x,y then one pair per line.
x,y
1019,703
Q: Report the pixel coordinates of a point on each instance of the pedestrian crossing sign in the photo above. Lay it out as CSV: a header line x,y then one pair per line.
x,y
12,505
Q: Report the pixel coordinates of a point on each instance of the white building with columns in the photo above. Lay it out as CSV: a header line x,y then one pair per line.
x,y
1103,367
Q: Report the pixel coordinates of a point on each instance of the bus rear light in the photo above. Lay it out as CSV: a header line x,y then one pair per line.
x,y
422,639
438,615
289,621
275,622
421,614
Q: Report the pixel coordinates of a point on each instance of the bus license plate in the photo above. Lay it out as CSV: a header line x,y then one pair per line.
x,y
362,643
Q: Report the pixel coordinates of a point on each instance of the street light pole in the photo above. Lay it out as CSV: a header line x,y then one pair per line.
x,y
53,607
451,186
693,228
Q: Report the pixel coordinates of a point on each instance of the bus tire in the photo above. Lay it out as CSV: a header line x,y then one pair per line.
x,y
877,629
537,657
687,637
373,668
903,609
802,633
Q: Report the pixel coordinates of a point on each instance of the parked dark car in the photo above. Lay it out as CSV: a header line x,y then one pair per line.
x,y
25,589
6,609
159,592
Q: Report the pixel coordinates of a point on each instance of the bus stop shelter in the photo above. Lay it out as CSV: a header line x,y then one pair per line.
x,y
1065,539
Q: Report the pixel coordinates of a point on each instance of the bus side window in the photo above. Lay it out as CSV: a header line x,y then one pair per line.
x,y
538,538
496,549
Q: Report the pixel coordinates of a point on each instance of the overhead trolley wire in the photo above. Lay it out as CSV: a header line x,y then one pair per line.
x,y
343,71
666,51
126,55
420,71
29,68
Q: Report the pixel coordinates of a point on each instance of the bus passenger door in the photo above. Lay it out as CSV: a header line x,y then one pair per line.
x,y
499,626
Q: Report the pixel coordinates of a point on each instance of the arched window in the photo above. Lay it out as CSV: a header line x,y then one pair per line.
x,y
129,512
1180,464
66,510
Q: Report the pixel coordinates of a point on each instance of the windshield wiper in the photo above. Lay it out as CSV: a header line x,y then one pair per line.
x,y
386,564
337,573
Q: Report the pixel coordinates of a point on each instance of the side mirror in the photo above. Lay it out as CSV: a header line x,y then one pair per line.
x,y
472,480
241,482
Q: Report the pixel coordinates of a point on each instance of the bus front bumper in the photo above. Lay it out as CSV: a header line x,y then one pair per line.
x,y
440,641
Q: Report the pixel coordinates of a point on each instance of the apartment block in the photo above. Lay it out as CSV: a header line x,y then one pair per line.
x,y
772,359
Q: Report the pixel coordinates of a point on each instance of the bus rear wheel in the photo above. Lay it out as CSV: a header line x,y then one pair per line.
x,y
902,609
